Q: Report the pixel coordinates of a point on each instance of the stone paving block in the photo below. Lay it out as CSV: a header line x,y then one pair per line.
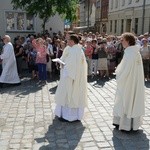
x,y
27,120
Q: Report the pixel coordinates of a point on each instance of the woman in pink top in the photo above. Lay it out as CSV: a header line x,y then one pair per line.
x,y
88,54
41,57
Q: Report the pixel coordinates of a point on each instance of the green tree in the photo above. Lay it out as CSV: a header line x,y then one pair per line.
x,y
47,8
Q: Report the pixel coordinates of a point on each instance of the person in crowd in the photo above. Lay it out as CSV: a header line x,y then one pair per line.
x,y
111,51
145,52
33,68
71,93
54,43
9,73
41,49
102,60
88,54
18,48
130,96
1,48
94,61
119,51
50,54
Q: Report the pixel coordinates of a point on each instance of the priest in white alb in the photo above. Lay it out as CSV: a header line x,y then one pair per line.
x,y
9,73
71,93
129,106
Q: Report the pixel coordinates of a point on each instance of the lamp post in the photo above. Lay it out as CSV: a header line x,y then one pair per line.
x,y
143,16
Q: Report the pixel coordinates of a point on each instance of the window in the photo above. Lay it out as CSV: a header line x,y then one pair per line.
x,y
122,25
136,25
130,1
123,2
115,26
98,4
110,25
116,4
19,21
112,4
10,21
136,1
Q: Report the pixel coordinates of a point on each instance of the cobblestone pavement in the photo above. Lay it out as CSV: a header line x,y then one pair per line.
x,y
27,121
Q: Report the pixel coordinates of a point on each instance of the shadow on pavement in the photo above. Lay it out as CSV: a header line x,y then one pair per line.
x,y
27,86
130,140
147,84
61,136
97,81
53,90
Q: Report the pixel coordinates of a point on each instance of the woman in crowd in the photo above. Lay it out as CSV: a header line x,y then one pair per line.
x,y
41,58
50,55
88,54
102,60
145,52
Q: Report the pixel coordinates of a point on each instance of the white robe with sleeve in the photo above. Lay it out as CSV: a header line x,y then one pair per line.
x,y
71,93
9,72
130,94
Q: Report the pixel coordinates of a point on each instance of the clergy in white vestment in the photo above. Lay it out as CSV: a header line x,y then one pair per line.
x,y
129,104
9,68
71,93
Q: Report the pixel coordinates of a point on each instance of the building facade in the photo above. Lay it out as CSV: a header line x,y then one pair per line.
x,y
18,22
98,16
87,14
129,16
104,16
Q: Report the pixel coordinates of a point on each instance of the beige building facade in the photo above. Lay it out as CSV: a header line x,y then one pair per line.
x,y
128,16
17,22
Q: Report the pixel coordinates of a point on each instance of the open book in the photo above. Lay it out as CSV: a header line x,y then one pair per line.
x,y
58,61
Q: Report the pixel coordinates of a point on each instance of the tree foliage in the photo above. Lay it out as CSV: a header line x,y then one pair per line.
x,y
47,8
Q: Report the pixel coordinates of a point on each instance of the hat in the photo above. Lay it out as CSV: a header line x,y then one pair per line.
x,y
144,39
145,34
89,40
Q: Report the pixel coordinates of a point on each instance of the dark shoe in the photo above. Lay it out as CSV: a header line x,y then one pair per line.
x,y
17,84
125,131
62,119
1,85
116,126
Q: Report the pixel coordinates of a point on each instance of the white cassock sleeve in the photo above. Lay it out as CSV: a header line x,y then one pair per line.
x,y
123,68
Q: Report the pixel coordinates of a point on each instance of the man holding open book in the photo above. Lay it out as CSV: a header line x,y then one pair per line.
x,y
71,93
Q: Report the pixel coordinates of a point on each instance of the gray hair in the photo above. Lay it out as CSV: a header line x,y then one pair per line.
x,y
8,38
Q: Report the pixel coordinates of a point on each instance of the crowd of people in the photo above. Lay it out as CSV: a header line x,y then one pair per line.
x,y
84,55
103,53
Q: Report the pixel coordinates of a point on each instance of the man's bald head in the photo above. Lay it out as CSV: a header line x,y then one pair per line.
x,y
6,39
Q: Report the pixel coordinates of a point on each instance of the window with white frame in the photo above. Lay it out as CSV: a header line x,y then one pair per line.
x,y
123,2
19,21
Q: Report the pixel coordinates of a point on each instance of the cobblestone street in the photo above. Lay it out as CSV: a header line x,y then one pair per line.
x,y
27,121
